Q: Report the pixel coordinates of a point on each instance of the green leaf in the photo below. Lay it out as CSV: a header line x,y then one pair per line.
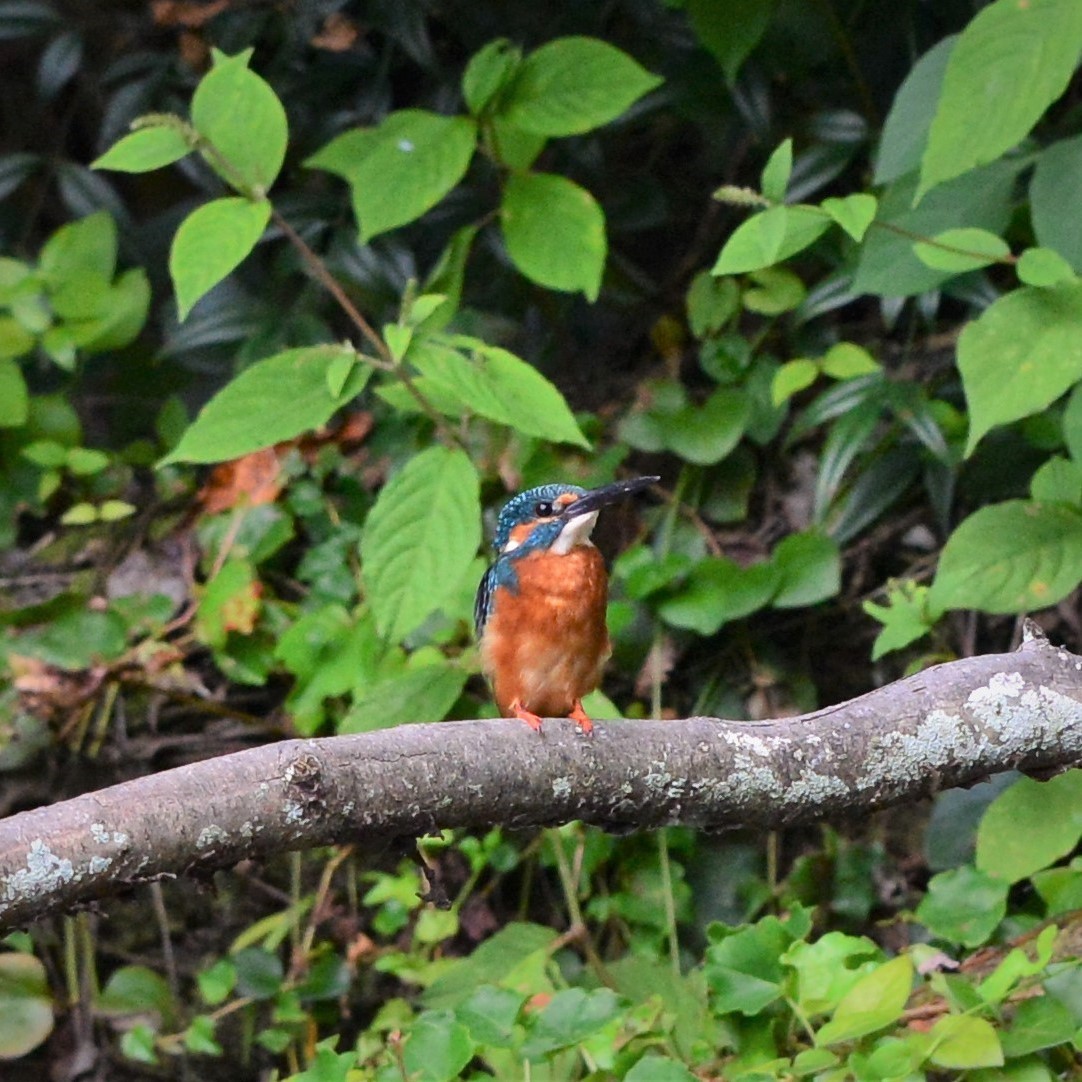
x,y
137,1043
1059,480
211,242
706,434
711,303
139,991
511,949
422,694
809,570
827,968
420,538
1030,826
846,360
779,167
963,905
1018,55
217,981
1043,267
572,85
272,400
718,591
730,30
964,1042
1052,194
85,249
873,1003
654,1068
437,1049
905,132
905,618
259,972
243,120
1041,1022
570,1017
776,290
76,640
496,384
1072,424
400,169
14,398
555,232
770,237
886,264
123,313
145,150
1020,355
490,1014
744,968
1011,557
960,250
854,213
199,1036
490,69
792,378
15,339
26,1008
1018,966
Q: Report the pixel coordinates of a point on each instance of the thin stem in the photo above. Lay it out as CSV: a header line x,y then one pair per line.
x,y
319,271
574,910
385,361
670,900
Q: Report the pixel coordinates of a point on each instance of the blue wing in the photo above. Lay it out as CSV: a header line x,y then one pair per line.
x,y
482,605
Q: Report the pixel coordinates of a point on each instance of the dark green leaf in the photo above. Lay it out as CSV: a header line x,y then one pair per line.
x,y
1052,193
488,72
423,693
490,1015
905,132
731,29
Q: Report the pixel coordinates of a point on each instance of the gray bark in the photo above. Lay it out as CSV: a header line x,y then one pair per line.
x,y
950,725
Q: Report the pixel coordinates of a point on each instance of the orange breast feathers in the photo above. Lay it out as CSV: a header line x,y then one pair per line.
x,y
547,644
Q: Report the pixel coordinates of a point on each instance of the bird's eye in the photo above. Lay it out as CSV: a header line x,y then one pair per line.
x,y
543,509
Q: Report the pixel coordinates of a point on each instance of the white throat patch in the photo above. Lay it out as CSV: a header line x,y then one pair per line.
x,y
575,532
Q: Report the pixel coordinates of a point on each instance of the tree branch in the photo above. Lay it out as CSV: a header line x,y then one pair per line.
x,y
951,725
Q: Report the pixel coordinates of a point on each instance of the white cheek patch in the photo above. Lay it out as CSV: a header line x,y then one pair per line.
x,y
511,545
576,532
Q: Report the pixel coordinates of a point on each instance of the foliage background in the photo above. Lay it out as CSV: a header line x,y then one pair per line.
x,y
836,408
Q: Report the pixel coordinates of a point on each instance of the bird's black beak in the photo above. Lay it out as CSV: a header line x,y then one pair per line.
x,y
597,498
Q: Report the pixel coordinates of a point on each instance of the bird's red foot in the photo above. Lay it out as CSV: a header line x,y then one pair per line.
x,y
578,715
525,715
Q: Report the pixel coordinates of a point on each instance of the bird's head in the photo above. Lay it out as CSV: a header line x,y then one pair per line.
x,y
555,518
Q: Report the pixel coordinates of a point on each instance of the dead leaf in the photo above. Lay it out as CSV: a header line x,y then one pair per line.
x,y
338,34
187,13
253,479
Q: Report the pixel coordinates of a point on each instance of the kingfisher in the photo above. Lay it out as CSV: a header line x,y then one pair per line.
x,y
540,609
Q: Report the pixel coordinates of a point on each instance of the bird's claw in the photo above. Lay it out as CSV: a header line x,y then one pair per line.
x,y
578,715
528,716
